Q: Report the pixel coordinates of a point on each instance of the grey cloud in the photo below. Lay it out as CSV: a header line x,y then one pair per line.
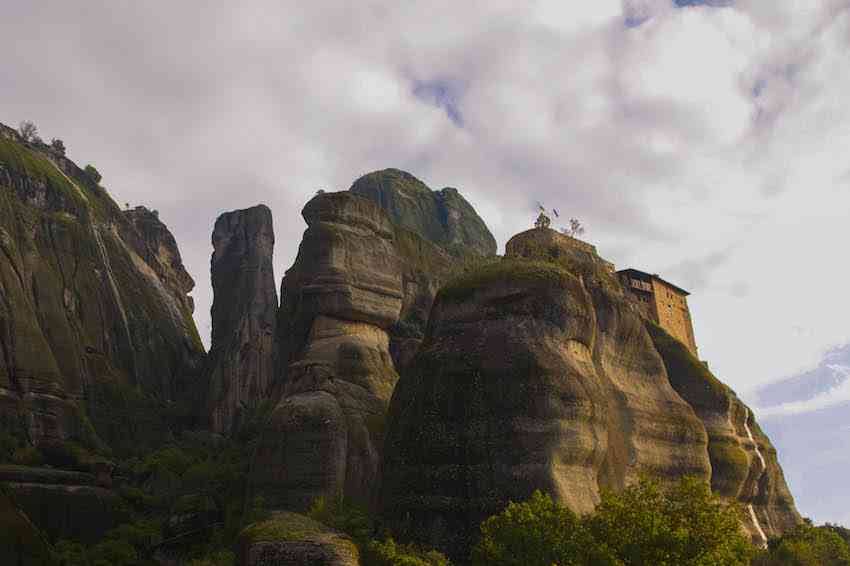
x,y
696,274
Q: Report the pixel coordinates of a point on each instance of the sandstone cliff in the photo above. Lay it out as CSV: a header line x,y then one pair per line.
x,y
744,465
240,365
536,373
90,299
337,302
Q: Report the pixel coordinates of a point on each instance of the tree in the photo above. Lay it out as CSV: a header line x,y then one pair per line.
x,y
575,229
93,174
682,525
538,532
807,545
28,131
58,146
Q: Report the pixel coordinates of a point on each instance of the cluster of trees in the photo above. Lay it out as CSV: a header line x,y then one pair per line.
x,y
647,524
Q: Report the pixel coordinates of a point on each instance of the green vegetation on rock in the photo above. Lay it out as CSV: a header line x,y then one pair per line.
x,y
510,271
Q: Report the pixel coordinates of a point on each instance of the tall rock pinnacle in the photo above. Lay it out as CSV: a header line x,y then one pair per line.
x,y
241,360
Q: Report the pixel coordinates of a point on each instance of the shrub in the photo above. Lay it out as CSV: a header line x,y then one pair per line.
x,y
537,532
684,525
390,553
93,174
58,146
807,546
28,131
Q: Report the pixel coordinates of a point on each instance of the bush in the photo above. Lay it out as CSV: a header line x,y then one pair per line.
x,y
390,553
93,174
645,524
537,532
807,546
28,131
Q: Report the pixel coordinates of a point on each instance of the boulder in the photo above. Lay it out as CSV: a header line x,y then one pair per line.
x,y
240,366
291,539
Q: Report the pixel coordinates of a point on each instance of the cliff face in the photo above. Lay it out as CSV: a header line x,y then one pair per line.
x,y
443,217
337,302
744,463
240,366
90,297
536,373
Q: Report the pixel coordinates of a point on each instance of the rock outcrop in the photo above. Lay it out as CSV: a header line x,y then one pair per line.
x,y
87,300
337,302
535,373
240,366
744,464
291,539
443,217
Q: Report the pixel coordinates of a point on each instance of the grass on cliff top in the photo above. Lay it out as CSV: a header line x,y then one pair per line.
x,y
515,270
283,526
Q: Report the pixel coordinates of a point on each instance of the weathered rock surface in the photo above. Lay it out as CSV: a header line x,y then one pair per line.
x,y
744,464
292,539
443,217
535,373
20,541
337,301
86,299
240,365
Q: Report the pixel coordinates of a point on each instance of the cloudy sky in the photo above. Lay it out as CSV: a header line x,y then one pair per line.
x,y
705,140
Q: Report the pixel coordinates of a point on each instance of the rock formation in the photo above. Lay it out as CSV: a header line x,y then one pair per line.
x,y
240,366
443,217
289,538
337,302
87,300
535,373
744,465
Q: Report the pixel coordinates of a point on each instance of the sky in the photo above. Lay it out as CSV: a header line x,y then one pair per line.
x,y
704,140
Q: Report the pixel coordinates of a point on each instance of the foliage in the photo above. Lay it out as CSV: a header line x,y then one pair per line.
x,y
808,545
683,525
575,229
537,532
27,130
344,516
93,174
390,553
58,146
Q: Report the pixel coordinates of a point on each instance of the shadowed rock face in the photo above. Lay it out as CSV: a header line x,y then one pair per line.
x,y
443,217
337,301
86,298
244,315
532,375
744,464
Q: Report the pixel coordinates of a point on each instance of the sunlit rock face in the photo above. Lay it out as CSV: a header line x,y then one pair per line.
x,y
337,301
533,375
240,368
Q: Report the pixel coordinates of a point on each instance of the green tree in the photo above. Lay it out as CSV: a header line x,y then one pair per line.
x,y
538,532
807,546
644,525
93,174
682,525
